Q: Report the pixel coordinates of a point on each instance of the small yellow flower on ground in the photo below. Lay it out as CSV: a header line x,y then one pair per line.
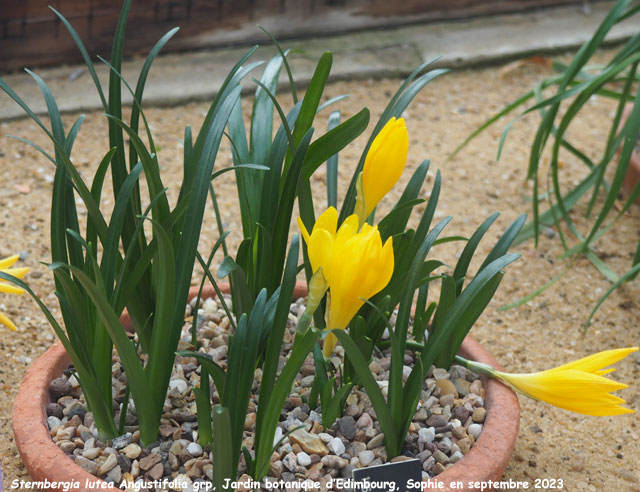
x,y
8,288
383,166
578,386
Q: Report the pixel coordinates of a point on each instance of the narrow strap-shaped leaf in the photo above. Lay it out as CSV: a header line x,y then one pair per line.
x,y
505,241
161,351
462,314
285,206
73,133
292,85
310,103
217,373
85,56
140,84
332,142
235,75
373,390
404,310
110,254
274,343
203,408
262,114
279,394
221,438
332,166
460,271
133,368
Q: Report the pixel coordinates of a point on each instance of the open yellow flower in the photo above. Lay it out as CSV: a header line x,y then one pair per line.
x,y
356,266
383,166
8,288
578,386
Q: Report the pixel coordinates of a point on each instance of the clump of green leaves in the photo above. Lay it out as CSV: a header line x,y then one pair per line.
x,y
114,264
574,84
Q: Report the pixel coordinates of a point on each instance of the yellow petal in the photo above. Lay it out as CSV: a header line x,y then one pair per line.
x,y
329,344
10,289
16,272
7,322
319,249
303,230
328,221
7,262
597,361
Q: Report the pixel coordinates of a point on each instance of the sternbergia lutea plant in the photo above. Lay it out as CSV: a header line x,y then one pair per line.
x,y
114,264
368,269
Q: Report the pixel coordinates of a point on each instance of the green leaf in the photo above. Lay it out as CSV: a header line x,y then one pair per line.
x,y
279,394
216,372
373,391
461,316
203,408
334,141
332,166
224,468
462,266
274,343
140,391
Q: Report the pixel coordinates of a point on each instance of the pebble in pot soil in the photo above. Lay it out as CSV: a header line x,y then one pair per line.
x,y
448,420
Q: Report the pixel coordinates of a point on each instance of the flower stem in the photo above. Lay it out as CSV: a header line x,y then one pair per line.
x,y
477,367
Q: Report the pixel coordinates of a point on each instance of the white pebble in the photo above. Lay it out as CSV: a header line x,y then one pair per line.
x,y
366,457
194,449
426,434
455,457
475,430
210,305
178,384
303,459
336,446
325,437
53,422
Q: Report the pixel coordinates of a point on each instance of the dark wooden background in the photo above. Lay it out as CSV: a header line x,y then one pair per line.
x,y
30,35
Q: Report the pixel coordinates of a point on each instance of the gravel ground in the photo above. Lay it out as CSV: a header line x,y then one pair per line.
x,y
587,453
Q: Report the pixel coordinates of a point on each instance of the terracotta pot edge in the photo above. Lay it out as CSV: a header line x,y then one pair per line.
x,y
487,459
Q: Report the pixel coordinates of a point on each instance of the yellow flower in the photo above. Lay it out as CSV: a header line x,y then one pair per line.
x,y
578,386
356,266
383,166
8,288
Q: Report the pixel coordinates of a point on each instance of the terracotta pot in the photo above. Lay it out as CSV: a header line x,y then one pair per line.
x,y
486,460
633,171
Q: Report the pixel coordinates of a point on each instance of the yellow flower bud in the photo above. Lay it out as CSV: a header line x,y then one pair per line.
x,y
383,166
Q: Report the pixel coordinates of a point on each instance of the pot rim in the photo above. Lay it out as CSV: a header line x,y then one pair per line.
x,y
487,459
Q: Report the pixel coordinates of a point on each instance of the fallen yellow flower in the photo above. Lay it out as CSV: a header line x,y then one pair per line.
x,y
383,166
8,288
578,386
